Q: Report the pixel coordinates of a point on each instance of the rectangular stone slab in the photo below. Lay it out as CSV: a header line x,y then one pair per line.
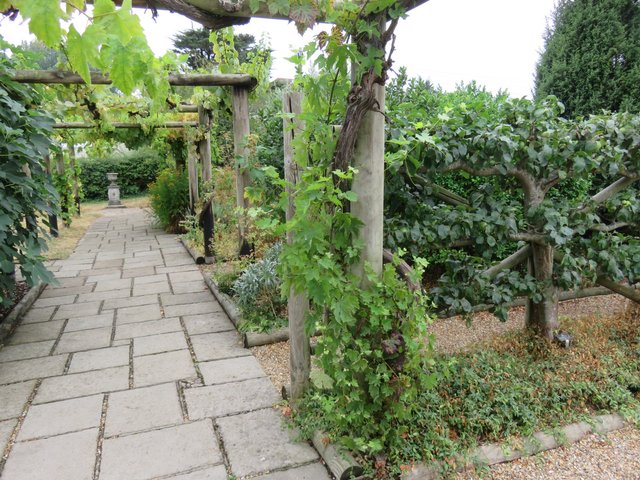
x,y
83,384
258,442
168,451
229,398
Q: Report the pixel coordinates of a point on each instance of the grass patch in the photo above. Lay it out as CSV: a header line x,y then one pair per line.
x,y
513,386
61,247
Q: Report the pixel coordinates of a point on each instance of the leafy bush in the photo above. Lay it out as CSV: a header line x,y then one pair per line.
x,y
24,198
257,292
136,170
170,199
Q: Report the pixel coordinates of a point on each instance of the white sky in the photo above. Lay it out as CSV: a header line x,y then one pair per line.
x,y
495,42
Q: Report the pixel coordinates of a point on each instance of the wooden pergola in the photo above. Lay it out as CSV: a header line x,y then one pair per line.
x,y
241,85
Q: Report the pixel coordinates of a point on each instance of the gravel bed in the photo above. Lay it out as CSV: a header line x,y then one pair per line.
x,y
615,456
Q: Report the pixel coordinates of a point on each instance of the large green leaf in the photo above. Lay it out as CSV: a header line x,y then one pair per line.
x,y
44,19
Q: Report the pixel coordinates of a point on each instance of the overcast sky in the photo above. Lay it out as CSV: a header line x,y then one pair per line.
x,y
495,42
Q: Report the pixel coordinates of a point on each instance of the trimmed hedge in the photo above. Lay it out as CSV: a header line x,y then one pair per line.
x,y
136,170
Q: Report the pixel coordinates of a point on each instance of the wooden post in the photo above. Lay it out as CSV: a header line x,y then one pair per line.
x,y
204,150
298,303
53,219
192,170
240,135
76,184
63,195
368,185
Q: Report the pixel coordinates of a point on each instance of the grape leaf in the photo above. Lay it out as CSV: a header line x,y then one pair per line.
x,y
304,16
82,52
44,19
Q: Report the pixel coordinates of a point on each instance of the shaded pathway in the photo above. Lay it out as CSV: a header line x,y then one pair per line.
x,y
129,369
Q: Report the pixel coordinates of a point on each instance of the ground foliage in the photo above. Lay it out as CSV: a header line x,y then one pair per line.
x,y
591,56
510,387
169,198
24,141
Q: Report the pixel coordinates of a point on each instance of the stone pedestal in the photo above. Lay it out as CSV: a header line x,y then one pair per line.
x,y
113,192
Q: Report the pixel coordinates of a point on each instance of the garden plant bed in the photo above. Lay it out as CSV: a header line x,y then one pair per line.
x,y
593,346
25,297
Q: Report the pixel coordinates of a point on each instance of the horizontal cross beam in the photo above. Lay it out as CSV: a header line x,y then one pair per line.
x,y
192,80
82,125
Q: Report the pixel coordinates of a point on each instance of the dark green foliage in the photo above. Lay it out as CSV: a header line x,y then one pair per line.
x,y
591,59
257,292
136,170
199,50
170,199
24,141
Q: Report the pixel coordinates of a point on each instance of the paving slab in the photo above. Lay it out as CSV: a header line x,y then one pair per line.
x,y
35,315
208,323
165,342
215,346
143,409
99,359
186,298
162,277
257,442
89,322
219,472
77,310
176,269
120,284
189,275
230,370
129,302
230,398
154,327
61,417
14,398
54,301
138,272
33,368
83,384
64,291
208,306
104,295
84,340
313,471
115,274
25,350
162,367
189,287
138,314
151,288
148,455
63,457
36,332
6,429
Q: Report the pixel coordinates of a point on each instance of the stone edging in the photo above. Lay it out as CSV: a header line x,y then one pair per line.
x,y
493,453
11,321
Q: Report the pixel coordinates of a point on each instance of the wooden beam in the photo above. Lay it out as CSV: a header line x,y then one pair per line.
x,y
368,185
298,303
240,137
82,125
192,80
192,171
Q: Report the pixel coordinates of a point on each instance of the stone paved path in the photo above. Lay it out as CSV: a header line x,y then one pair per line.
x,y
130,370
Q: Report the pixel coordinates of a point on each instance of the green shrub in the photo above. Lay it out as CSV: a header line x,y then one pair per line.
x,y
136,170
170,199
257,293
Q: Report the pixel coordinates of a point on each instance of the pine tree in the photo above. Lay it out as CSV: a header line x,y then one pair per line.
x,y
591,59
195,43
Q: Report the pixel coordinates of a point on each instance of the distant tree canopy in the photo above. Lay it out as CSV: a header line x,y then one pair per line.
x,y
195,43
40,55
591,59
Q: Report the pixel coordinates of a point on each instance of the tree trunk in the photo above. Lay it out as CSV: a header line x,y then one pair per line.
x,y
542,317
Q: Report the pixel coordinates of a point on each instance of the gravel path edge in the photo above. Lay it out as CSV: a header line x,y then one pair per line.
x,y
14,317
494,453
